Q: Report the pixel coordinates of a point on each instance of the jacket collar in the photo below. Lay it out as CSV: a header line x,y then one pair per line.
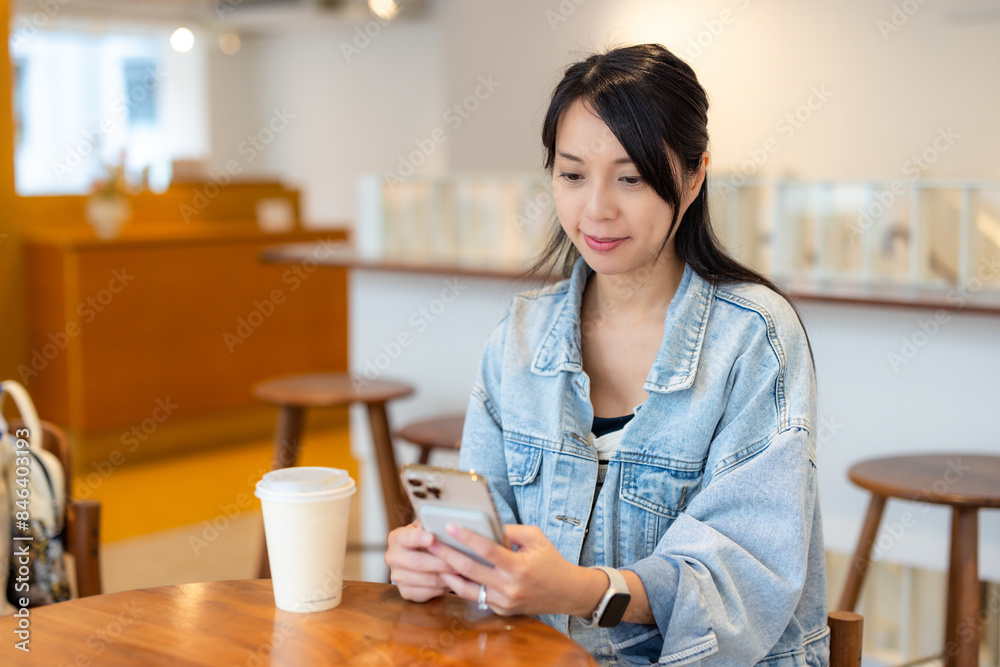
x,y
683,333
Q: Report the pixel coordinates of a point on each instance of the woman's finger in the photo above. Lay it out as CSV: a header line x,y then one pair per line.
x,y
417,560
467,567
410,537
420,593
412,578
469,590
484,547
462,587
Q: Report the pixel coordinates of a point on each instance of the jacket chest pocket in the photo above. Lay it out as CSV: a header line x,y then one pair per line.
x,y
523,462
663,490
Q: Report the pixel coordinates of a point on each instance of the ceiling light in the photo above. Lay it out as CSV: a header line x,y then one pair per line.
x,y
182,40
229,43
384,9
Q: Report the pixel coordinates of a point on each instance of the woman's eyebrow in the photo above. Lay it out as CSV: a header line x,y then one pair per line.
x,y
573,158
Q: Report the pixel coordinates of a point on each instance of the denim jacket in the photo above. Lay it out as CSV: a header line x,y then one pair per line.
x,y
711,496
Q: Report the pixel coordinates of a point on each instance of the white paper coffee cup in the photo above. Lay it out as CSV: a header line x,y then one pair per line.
x,y
305,526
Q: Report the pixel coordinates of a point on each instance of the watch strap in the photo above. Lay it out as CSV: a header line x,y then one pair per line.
x,y
617,587
616,578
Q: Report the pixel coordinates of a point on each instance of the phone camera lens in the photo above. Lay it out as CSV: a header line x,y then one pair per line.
x,y
420,494
433,490
414,482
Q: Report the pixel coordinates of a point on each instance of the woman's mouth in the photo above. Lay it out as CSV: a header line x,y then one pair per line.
x,y
603,245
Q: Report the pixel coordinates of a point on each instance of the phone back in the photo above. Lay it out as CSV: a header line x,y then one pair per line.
x,y
441,496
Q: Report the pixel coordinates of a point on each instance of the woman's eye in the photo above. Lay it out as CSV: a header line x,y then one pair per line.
x,y
570,176
632,180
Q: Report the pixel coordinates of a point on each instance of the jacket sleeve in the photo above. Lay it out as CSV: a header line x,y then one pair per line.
x,y
482,436
725,579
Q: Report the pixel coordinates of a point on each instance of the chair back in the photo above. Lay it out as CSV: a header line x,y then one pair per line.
x,y
846,632
83,517
54,440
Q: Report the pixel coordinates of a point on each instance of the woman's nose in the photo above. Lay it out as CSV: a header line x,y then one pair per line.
x,y
600,203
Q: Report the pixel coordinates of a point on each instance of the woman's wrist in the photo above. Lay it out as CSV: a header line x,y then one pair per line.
x,y
585,589
586,586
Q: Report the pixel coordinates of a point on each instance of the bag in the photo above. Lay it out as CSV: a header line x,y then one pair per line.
x,y
32,507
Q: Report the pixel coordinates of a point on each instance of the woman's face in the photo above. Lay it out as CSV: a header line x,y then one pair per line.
x,y
614,218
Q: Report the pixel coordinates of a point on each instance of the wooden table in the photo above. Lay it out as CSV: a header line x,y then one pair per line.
x,y
236,623
966,483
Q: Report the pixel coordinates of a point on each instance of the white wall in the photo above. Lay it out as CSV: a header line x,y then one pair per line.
x,y
889,95
942,399
233,106
349,117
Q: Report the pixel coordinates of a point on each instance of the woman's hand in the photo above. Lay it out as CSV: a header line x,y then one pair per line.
x,y
416,573
535,579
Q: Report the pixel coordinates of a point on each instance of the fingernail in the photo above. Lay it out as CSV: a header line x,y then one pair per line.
x,y
453,530
427,539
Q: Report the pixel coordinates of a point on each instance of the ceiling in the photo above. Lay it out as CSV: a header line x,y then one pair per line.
x,y
237,13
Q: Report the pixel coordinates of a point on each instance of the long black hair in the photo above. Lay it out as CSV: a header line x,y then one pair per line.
x,y
651,100
653,103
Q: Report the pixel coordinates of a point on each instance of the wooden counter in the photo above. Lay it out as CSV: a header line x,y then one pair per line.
x,y
981,301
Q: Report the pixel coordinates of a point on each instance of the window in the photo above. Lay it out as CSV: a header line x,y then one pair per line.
x,y
85,101
142,99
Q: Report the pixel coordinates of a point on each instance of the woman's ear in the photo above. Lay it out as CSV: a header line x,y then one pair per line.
x,y
696,180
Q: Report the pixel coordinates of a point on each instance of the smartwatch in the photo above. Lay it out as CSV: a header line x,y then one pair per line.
x,y
612,606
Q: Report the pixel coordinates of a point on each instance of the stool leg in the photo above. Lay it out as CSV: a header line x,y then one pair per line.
x,y
961,648
287,432
265,564
862,556
397,507
425,455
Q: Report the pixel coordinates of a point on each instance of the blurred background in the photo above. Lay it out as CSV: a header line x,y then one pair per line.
x,y
152,150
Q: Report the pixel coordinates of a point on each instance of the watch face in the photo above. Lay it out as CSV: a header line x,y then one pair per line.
x,y
614,610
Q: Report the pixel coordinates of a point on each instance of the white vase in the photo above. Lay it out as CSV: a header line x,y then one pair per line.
x,y
107,215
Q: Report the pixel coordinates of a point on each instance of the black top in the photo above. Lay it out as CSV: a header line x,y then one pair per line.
x,y
605,425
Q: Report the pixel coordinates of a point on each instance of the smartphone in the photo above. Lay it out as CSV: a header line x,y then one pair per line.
x,y
441,496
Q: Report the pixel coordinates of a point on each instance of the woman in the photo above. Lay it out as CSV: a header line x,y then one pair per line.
x,y
654,412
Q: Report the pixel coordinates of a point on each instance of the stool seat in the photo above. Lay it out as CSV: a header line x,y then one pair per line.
x,y
966,482
437,433
315,390
294,394
943,479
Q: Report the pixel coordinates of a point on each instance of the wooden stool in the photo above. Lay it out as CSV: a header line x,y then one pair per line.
x,y
294,393
430,434
965,482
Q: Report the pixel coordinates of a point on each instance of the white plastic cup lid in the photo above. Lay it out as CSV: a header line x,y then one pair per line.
x,y
305,484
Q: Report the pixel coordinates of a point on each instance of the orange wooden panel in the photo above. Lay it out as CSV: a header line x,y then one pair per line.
x,y
195,322
12,331
45,371
200,325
